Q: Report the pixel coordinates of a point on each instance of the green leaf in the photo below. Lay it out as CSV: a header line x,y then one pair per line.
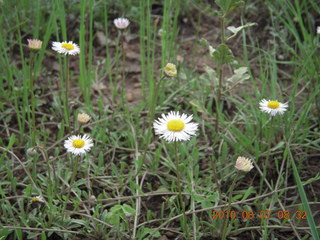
x,y
198,105
236,30
206,44
11,141
198,198
43,236
228,5
247,193
27,190
239,76
116,209
304,199
236,197
222,55
135,186
18,233
143,231
128,209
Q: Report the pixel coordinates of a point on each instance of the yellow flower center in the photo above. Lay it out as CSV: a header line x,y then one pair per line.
x,y
175,125
67,46
273,104
35,199
78,143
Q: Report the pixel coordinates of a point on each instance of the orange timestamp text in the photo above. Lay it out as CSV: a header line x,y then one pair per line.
x,y
260,215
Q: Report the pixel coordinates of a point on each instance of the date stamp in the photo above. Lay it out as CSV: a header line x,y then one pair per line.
x,y
258,215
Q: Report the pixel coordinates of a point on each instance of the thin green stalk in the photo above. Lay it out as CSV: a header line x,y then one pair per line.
x,y
90,54
303,197
220,73
154,100
122,82
108,58
67,94
83,44
51,189
226,220
193,205
33,103
123,57
216,177
182,205
142,31
270,140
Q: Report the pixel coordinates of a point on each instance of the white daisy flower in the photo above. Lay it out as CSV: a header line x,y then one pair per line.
x,y
175,127
66,48
37,199
78,145
318,30
121,23
273,107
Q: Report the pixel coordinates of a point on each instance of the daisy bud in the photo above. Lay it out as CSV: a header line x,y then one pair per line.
x,y
83,118
92,199
31,152
121,23
244,164
34,44
170,70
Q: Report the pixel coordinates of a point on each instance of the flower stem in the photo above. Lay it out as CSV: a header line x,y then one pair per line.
x,y
67,94
216,178
123,58
33,103
226,220
220,72
182,205
154,98
122,81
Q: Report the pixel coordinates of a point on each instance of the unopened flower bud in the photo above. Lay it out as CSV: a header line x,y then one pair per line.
x,y
121,23
31,152
244,164
83,118
170,70
34,44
